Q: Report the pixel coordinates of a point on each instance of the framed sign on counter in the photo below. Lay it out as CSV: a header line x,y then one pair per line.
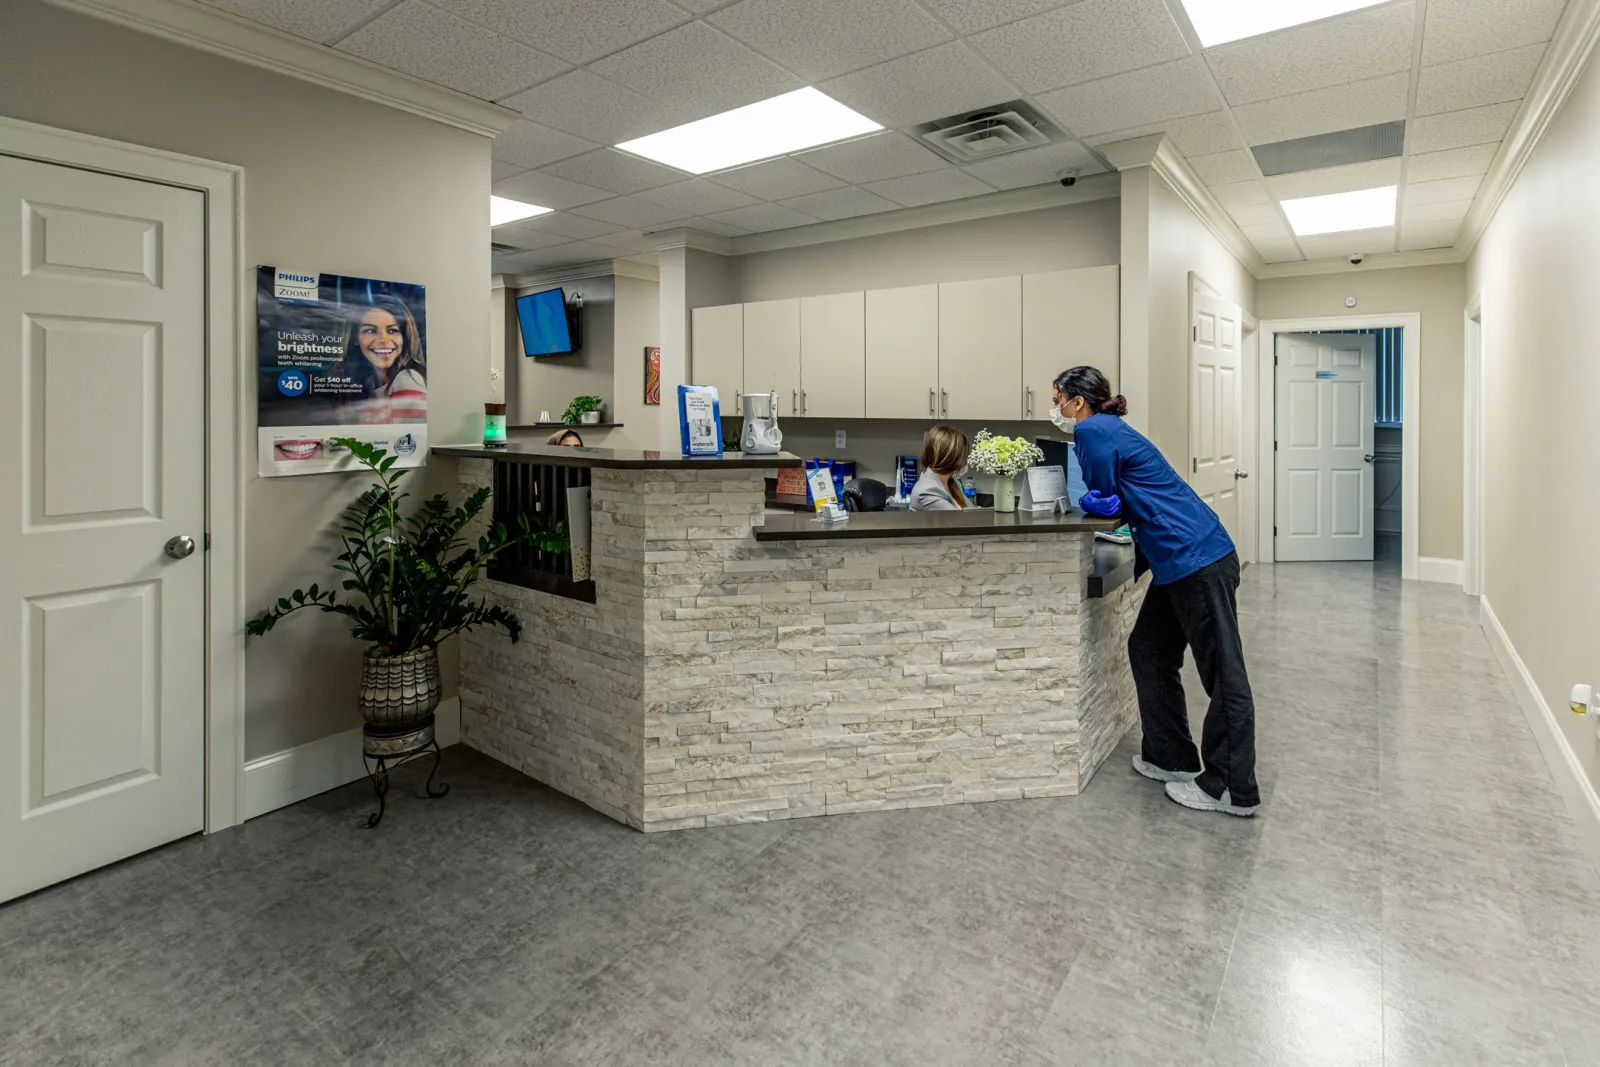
x,y
338,356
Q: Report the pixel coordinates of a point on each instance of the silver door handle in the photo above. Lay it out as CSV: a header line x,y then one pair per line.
x,y
802,401
1241,474
794,401
1367,458
931,409
180,547
944,402
1027,404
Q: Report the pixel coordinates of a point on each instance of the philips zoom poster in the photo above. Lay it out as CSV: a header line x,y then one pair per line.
x,y
338,357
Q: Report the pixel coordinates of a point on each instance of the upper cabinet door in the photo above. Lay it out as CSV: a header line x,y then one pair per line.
x,y
1070,318
717,357
833,357
902,337
980,349
772,351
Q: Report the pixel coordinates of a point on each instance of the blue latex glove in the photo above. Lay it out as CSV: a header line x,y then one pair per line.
x,y
1103,506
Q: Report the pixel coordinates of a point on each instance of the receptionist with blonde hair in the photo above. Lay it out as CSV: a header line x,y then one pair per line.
x,y
944,460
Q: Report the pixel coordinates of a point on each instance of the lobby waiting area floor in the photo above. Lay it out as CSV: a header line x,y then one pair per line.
x,y
1411,894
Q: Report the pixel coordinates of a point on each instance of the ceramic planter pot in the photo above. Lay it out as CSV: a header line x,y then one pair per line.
x,y
397,698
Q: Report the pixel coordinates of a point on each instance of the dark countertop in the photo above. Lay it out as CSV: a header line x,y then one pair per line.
x,y
569,456
1113,566
802,527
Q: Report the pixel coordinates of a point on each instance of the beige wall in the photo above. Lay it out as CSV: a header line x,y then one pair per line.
x,y
638,327
548,383
1439,295
1537,269
331,182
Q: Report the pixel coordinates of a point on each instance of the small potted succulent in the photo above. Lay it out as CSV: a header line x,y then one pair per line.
x,y
584,410
1005,458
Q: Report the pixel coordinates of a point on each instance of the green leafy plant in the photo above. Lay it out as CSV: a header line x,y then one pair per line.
x,y
409,578
550,535
580,404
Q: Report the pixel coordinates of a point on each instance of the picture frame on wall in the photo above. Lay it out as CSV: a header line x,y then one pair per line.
x,y
652,375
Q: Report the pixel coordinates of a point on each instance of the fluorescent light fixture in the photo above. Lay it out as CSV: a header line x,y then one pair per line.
x,y
1365,209
502,211
804,118
1220,21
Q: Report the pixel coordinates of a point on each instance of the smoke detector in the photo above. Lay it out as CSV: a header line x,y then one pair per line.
x,y
989,132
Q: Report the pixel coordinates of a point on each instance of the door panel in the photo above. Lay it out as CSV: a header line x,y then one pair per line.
x,y
980,349
103,726
833,358
772,352
717,357
1214,385
902,352
1069,318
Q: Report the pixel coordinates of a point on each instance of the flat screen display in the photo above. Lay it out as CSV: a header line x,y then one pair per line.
x,y
543,318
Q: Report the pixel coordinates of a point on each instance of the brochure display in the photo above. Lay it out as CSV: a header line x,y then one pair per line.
x,y
699,420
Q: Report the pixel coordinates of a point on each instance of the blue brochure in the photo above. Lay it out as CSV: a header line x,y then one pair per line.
x,y
699,420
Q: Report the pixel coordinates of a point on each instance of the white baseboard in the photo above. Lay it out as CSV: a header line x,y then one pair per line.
x,y
1432,569
288,777
1571,781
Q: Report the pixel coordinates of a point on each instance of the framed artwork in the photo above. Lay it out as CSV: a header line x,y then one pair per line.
x,y
652,375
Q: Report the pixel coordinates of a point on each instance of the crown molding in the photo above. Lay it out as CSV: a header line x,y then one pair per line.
x,y
666,240
220,33
1563,64
630,268
1429,257
577,272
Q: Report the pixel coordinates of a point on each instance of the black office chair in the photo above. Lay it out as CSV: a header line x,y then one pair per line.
x,y
865,494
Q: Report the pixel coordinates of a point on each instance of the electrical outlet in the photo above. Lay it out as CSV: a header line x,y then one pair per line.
x,y
838,439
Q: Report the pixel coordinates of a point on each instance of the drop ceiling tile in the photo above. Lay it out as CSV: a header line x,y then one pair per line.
x,y
718,229
776,179
577,32
872,159
591,252
1225,167
529,144
1138,98
558,256
1444,211
1442,191
500,169
844,203
1459,29
315,20
1242,194
970,16
1258,216
572,227
615,171
1367,242
630,212
759,218
1370,175
1335,51
932,187
702,7
1490,79
1459,129
423,41
822,38
1036,166
591,107
1087,40
1452,163
547,190
526,237
1417,236
697,196
1269,233
1341,107
1195,135
941,81
696,66
631,242
1279,253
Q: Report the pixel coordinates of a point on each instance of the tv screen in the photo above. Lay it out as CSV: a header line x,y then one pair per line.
x,y
543,318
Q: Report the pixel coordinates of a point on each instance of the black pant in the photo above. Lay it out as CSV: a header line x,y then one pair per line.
x,y
1198,611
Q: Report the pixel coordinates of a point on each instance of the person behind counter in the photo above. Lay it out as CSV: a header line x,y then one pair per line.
x,y
1194,579
565,437
944,458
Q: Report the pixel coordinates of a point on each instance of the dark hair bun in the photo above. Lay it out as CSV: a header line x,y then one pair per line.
x,y
1115,406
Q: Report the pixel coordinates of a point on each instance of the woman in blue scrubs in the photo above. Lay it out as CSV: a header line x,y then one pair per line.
x,y
1191,603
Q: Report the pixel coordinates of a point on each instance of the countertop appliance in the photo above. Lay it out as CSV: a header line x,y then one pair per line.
x,y
760,436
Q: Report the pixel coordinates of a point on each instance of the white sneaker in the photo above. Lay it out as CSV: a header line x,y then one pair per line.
x,y
1151,771
1192,796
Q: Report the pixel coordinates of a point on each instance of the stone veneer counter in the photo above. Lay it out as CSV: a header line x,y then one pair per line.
x,y
718,678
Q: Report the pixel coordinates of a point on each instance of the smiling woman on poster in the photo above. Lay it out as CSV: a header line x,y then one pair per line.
x,y
383,353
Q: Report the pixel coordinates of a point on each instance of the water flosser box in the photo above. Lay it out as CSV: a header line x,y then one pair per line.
x,y
906,467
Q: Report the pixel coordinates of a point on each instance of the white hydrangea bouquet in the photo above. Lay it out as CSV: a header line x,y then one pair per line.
x,y
1005,458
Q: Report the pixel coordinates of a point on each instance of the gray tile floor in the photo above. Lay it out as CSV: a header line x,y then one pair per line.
x,y
1411,895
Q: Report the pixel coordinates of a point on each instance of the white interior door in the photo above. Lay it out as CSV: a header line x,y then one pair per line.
x,y
1216,394
1325,436
102,641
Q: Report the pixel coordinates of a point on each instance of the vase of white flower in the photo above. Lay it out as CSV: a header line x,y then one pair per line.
x,y
1005,458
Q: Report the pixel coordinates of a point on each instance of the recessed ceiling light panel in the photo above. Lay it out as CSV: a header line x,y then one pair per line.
x,y
1365,209
1220,21
503,210
804,118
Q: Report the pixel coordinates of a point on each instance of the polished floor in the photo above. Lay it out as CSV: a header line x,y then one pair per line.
x,y
1412,894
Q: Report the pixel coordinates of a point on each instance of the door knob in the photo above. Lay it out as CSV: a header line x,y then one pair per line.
x,y
1367,458
180,547
1241,474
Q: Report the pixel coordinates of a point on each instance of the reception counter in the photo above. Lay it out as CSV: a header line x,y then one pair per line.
x,y
738,666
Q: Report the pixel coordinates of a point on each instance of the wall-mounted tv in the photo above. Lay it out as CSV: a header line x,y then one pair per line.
x,y
547,323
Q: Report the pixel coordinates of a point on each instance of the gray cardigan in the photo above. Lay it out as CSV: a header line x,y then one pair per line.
x,y
930,494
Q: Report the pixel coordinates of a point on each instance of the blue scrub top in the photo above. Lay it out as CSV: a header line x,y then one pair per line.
x,y
1174,530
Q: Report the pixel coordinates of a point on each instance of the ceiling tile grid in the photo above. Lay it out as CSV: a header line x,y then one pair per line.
x,y
819,39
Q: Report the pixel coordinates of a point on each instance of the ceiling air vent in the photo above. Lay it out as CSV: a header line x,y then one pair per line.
x,y
988,132
1359,145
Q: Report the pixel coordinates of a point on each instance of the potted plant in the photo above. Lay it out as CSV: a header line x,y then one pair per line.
x,y
1005,458
408,586
584,410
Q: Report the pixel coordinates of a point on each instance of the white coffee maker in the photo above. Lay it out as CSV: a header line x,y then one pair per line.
x,y
760,436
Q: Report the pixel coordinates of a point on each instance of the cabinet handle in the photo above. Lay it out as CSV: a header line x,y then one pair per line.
x,y
931,409
794,402
802,401
944,402
1027,406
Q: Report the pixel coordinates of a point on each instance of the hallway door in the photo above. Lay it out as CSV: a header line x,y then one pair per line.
x,y
1325,440
1216,394
102,600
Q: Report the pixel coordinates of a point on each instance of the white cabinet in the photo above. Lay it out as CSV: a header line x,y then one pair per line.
x,y
980,349
902,352
1070,318
718,352
833,358
772,351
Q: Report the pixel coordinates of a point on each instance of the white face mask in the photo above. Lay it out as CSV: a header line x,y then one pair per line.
x,y
1063,423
